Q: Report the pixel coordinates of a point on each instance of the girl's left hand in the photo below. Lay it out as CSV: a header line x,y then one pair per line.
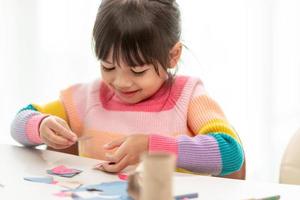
x,y
128,152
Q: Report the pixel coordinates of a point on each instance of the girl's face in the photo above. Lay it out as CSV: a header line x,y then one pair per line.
x,y
132,84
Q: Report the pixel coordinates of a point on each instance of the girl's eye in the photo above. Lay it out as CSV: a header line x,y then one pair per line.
x,y
107,69
138,73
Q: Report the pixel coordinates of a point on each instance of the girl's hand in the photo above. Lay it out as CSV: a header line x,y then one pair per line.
x,y
56,133
128,152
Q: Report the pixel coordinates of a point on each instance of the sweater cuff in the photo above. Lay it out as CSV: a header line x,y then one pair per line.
x,y
160,143
32,128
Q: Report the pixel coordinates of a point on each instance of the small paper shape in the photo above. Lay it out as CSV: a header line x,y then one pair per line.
x,y
64,170
47,180
63,194
62,175
123,176
111,190
186,196
69,184
99,166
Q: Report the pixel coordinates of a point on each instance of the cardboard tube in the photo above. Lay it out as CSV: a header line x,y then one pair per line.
x,y
157,176
134,186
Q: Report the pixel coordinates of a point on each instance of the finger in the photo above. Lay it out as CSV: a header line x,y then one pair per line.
x,y
114,143
53,145
65,124
118,155
57,139
61,130
116,167
62,122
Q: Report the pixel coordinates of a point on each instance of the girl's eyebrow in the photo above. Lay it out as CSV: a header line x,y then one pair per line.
x,y
137,66
140,66
107,62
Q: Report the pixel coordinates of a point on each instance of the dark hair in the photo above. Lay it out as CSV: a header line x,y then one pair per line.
x,y
142,31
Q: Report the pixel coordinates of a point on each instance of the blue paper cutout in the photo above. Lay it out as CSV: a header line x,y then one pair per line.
x,y
108,189
47,179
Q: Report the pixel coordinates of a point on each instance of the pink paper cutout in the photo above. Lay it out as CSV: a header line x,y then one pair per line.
x,y
123,176
63,194
64,170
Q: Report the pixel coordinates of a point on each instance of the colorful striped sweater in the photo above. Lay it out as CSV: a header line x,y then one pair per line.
x,y
180,119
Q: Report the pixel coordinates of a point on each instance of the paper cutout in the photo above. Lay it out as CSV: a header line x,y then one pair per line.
x,y
64,171
63,194
99,165
186,196
112,190
123,176
69,184
47,180
62,175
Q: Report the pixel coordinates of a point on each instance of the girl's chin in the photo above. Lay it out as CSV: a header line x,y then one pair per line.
x,y
128,100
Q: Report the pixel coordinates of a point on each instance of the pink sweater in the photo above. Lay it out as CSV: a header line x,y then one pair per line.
x,y
181,119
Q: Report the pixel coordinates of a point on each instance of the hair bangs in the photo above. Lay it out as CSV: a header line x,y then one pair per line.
x,y
135,50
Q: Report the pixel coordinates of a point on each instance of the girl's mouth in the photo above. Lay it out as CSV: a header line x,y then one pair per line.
x,y
128,94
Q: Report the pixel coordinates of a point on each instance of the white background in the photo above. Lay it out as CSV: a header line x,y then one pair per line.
x,y
247,52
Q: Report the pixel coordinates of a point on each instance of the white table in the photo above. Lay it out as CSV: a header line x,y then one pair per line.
x,y
19,162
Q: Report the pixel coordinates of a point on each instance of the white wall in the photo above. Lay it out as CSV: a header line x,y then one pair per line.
x,y
246,51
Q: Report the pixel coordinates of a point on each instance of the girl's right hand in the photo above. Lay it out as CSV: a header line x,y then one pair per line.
x,y
56,133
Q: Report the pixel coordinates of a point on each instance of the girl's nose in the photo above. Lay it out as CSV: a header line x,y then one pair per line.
x,y
122,82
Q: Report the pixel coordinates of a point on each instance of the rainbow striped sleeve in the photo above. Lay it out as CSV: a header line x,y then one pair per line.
x,y
25,126
215,149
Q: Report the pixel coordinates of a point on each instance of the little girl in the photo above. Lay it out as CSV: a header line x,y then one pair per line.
x,y
138,106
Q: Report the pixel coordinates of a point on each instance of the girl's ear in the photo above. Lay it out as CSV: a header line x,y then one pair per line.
x,y
175,54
